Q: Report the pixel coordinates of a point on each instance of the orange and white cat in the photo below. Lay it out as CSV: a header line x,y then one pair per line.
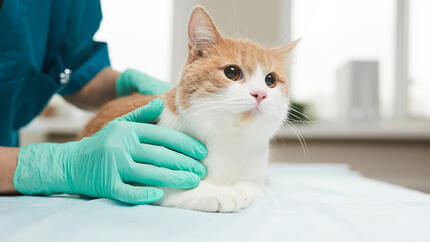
x,y
232,96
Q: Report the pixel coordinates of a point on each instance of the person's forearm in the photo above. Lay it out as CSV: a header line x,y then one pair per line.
x,y
101,89
8,162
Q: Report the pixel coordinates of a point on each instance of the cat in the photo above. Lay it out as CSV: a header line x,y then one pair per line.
x,y
232,96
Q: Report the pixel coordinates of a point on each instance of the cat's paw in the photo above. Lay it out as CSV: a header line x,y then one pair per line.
x,y
218,199
228,199
250,192
211,198
206,197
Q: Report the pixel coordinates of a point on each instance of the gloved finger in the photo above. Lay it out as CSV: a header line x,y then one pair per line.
x,y
136,194
158,176
170,138
164,157
144,114
149,85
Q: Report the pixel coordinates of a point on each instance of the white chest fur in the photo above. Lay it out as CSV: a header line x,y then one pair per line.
x,y
236,165
233,156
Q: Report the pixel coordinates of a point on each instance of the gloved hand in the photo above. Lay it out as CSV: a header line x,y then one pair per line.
x,y
135,81
128,150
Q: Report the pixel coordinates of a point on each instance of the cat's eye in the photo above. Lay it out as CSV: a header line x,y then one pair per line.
x,y
270,80
233,73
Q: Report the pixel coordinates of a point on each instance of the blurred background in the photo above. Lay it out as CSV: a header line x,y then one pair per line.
x,y
360,91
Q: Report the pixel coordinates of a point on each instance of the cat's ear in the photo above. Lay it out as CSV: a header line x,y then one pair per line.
x,y
202,30
286,49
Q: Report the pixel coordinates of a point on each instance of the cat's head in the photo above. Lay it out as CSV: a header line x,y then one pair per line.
x,y
232,82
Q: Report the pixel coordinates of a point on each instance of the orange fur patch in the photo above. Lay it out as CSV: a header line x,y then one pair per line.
x,y
247,116
170,100
114,109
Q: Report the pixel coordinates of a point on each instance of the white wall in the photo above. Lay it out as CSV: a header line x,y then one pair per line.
x,y
139,35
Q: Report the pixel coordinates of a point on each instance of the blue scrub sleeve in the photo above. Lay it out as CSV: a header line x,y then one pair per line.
x,y
80,53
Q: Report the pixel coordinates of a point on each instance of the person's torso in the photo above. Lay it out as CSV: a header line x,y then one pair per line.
x,y
31,33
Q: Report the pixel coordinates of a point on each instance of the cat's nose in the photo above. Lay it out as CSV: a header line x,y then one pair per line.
x,y
259,95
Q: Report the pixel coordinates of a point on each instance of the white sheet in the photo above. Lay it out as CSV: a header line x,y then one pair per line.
x,y
305,203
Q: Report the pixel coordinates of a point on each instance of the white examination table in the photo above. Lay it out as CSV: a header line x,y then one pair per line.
x,y
305,203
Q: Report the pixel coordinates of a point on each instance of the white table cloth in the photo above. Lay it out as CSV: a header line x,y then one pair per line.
x,y
304,203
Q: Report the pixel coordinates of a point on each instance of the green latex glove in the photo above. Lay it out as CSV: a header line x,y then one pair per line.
x,y
135,81
126,152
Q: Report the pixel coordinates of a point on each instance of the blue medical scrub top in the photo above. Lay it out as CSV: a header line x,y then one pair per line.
x,y
39,40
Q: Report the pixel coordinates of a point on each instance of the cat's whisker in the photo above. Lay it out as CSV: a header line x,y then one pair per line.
x,y
302,140
310,122
300,113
